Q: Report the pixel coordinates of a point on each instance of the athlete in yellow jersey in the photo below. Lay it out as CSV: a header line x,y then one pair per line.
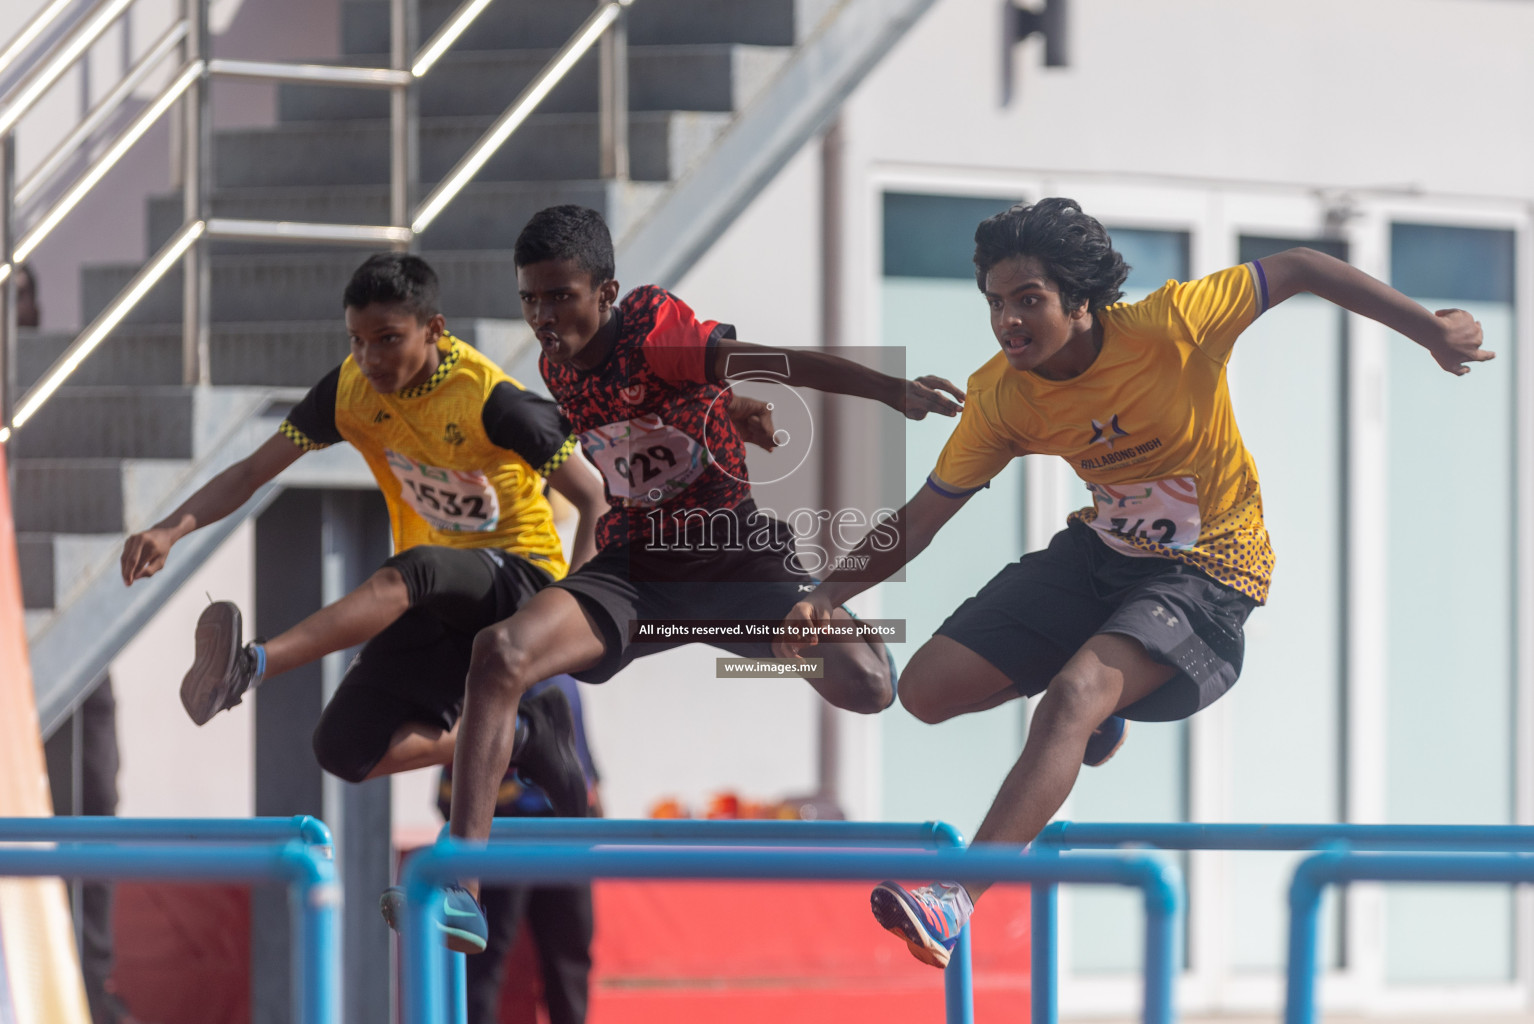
x,y
461,452
1136,609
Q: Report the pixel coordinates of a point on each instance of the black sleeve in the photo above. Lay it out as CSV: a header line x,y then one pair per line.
x,y
312,422
528,424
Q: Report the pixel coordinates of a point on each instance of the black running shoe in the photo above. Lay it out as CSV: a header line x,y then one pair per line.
x,y
222,669
548,759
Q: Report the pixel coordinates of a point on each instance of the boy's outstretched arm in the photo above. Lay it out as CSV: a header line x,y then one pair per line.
x,y
144,552
1453,336
914,526
809,368
579,482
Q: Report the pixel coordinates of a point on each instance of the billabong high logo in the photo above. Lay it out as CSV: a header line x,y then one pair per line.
x,y
452,435
1107,433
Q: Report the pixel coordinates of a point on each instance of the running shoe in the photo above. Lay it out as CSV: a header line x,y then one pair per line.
x,y
929,918
548,758
1105,741
460,918
222,670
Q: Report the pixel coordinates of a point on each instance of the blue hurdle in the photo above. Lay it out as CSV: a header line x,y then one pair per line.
x,y
313,895
1060,836
424,985
85,828
1330,867
958,979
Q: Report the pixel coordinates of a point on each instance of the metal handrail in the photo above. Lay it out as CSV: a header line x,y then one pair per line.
x,y
481,152
41,22
101,112
605,23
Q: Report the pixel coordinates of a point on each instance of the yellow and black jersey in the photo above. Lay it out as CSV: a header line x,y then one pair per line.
x,y
1148,427
460,459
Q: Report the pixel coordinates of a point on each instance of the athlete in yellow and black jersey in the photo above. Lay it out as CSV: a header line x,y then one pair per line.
x,y
1136,610
461,453
460,459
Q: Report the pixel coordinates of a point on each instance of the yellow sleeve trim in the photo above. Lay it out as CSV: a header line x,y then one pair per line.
x,y
559,458
299,438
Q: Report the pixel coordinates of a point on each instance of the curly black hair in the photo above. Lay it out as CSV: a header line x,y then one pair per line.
x,y
1075,250
568,233
395,277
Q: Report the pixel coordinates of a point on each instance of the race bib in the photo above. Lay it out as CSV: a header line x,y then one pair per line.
x,y
1164,512
449,500
645,461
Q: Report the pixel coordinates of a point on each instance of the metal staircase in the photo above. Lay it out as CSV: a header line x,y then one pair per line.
x,y
721,94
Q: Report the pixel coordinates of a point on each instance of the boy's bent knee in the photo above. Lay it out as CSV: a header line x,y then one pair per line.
x,y
499,663
864,691
1076,699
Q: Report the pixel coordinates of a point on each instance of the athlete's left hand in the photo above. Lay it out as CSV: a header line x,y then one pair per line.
x,y
1458,341
924,395
753,418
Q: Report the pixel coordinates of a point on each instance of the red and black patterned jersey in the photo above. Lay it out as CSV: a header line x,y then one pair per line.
x,y
652,418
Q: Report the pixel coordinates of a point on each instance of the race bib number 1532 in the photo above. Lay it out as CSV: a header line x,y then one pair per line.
x,y
449,500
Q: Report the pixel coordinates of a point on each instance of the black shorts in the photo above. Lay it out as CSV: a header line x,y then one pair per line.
x,y
1038,612
691,580
414,670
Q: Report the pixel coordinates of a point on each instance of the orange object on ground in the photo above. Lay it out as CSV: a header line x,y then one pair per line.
x,y
39,970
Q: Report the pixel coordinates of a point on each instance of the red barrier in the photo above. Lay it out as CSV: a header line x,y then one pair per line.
x,y
39,971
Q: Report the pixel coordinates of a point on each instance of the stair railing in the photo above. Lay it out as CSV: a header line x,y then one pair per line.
x,y
190,85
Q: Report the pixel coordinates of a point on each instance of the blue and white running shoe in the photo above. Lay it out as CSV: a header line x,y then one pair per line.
x,y
460,919
929,918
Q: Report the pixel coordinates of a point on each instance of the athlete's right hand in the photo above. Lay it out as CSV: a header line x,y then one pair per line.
x,y
801,625
144,554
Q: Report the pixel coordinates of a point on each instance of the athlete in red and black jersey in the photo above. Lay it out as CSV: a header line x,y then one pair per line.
x,y
641,384
652,416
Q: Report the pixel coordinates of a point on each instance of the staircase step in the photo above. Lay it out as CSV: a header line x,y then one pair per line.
x,y
485,215
124,422
308,286
718,77
550,23
287,355
662,146
92,496
56,566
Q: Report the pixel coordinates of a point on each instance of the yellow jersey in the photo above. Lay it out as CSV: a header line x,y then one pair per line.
x,y
1148,427
460,459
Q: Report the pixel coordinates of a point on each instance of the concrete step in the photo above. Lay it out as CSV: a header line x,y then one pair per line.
x,y
275,354
286,355
126,422
662,146
56,566
511,24
308,286
485,215
91,496
715,76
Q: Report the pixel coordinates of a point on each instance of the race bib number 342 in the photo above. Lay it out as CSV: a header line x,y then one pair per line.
x,y
449,500
1164,512
645,461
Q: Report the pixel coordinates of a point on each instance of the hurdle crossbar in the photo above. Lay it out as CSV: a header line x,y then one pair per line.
x,y
515,863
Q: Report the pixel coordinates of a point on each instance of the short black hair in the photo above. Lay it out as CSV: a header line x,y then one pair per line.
x,y
568,233
1075,250
395,278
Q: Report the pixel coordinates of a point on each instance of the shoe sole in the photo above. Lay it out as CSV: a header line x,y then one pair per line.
x,y
895,917
455,939
218,644
1109,755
